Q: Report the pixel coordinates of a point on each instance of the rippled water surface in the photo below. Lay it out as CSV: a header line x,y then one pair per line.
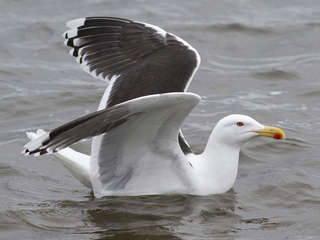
x,y
259,58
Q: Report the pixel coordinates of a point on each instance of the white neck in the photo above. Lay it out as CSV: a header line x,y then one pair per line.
x,y
216,167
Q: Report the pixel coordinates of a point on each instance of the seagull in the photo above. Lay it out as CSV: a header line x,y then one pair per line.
x,y
138,147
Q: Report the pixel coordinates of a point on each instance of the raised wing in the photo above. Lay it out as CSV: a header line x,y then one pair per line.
x,y
142,59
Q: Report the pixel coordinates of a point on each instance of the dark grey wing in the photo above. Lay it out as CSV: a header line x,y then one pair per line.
x,y
85,127
141,58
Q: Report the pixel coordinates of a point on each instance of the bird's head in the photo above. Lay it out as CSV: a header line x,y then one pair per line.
x,y
237,129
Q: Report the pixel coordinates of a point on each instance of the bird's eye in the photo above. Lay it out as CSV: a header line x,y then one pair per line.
x,y
240,124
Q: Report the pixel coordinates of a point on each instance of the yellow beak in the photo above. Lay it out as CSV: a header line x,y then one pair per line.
x,y
273,132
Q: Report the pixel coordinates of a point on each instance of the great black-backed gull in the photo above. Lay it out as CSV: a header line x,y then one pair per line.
x,y
138,148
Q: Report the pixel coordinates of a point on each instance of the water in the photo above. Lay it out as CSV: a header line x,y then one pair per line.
x,y
259,58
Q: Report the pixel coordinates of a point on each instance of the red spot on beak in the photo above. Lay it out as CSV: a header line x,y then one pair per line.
x,y
277,136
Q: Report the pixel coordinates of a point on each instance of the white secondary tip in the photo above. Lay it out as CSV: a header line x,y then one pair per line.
x,y
86,68
76,23
75,42
72,33
49,150
77,58
64,35
71,51
65,41
37,143
41,132
93,73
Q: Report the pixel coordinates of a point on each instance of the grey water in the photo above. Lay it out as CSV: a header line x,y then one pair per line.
x,y
259,58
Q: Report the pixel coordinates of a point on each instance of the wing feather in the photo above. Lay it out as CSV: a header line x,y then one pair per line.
x,y
146,59
134,138
143,150
101,122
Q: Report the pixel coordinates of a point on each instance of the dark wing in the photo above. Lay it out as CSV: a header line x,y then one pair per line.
x,y
140,59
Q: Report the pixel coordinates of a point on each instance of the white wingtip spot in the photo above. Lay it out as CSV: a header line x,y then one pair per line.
x,y
76,23
85,67
49,150
37,143
101,77
31,135
65,34
93,73
80,52
72,33
71,51
75,42
41,132
78,58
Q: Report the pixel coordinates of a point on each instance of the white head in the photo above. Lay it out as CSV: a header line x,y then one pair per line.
x,y
236,129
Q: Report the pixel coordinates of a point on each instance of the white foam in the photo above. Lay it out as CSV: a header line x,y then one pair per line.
x,y
275,93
